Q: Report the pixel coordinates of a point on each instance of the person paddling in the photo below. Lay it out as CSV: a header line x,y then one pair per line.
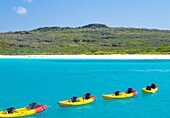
x,y
9,110
87,96
153,86
129,90
74,99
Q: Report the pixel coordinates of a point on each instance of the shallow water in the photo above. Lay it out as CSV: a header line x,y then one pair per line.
x,y
47,81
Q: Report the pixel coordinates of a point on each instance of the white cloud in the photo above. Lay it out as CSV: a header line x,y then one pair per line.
x,y
20,10
29,1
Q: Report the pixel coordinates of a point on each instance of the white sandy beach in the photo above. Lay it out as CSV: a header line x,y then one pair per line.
x,y
114,56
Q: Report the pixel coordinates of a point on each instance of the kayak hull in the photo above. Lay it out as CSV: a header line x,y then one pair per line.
x,y
21,112
150,91
120,96
80,101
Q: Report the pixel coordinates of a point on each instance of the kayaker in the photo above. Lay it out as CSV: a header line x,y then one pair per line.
x,y
9,110
148,88
129,90
74,99
153,86
87,96
117,93
32,106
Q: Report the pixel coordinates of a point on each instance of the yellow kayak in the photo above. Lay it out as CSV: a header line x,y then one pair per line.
x,y
80,101
153,90
120,96
22,112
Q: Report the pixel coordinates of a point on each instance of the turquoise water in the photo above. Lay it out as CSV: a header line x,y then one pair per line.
x,y
47,81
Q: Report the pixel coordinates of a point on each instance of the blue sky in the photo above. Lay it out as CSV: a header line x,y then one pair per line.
x,y
30,14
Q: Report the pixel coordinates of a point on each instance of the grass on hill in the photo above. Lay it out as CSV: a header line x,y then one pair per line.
x,y
90,39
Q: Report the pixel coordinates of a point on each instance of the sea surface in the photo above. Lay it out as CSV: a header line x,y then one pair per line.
x,y
47,81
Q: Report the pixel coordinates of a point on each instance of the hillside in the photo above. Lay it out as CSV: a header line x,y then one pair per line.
x,y
89,39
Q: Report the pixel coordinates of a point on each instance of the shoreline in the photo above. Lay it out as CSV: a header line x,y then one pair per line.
x,y
111,57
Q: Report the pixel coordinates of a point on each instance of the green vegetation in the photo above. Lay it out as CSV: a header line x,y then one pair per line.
x,y
89,39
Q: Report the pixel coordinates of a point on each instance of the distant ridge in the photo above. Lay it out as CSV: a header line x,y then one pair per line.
x,y
94,26
91,26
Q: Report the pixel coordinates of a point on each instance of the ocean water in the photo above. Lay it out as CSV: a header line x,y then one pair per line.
x,y
47,81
